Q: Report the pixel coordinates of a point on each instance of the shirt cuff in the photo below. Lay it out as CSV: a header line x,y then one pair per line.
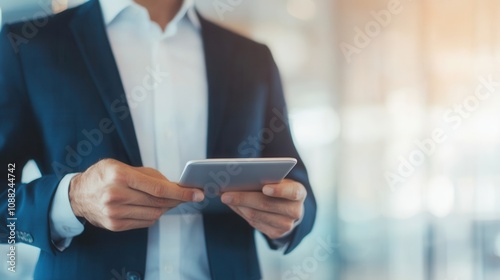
x,y
64,225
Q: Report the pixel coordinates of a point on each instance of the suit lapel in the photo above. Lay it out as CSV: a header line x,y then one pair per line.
x,y
90,35
217,52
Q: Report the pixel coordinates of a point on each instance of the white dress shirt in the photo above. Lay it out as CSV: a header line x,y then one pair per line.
x,y
163,74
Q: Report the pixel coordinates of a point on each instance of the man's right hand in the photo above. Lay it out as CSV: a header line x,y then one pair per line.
x,y
119,197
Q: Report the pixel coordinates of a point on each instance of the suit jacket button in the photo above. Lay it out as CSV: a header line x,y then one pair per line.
x,y
132,275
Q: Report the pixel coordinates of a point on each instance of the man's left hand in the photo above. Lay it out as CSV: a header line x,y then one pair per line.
x,y
274,211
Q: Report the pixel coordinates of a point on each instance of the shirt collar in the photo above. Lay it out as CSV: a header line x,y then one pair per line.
x,y
111,9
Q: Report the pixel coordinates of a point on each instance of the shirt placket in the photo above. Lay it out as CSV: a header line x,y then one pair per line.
x,y
168,157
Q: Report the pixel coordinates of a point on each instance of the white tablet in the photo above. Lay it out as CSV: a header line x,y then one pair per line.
x,y
238,174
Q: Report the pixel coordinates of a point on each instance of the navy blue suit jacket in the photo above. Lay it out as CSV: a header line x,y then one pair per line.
x,y
61,83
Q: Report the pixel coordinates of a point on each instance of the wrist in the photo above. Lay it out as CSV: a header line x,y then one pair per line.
x,y
73,194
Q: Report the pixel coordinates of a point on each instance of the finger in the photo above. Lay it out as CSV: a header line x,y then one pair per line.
x,y
144,199
129,196
151,172
133,212
258,201
271,225
287,189
162,188
273,220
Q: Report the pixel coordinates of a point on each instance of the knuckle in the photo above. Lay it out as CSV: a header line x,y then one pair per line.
x,y
109,196
287,227
106,198
159,190
282,226
120,226
295,213
105,211
252,215
106,224
112,225
265,204
108,212
114,173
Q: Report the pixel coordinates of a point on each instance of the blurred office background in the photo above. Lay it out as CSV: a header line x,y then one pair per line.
x,y
395,108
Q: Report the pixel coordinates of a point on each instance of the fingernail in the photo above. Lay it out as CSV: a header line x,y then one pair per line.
x,y
267,190
227,198
198,196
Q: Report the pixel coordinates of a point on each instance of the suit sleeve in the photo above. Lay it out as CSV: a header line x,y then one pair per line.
x,y
282,146
20,141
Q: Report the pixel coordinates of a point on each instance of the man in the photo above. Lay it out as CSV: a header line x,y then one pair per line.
x,y
111,99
